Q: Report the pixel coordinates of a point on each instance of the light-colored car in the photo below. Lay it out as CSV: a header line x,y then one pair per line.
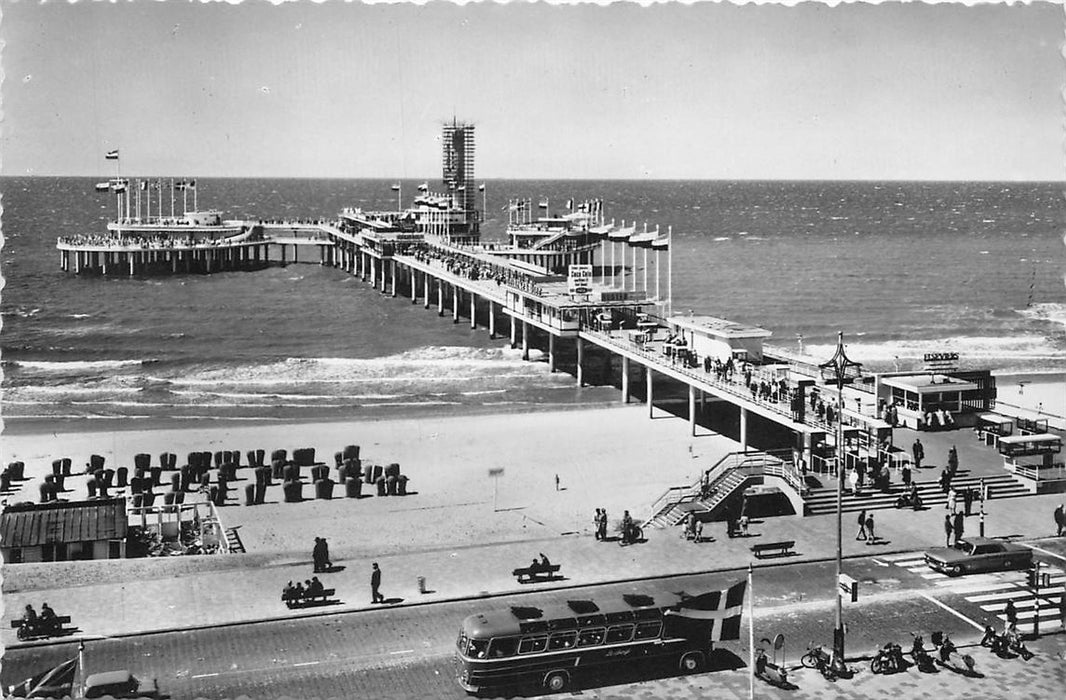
x,y
975,554
119,684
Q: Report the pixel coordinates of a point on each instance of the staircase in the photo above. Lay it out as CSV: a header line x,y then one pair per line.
x,y
233,541
820,501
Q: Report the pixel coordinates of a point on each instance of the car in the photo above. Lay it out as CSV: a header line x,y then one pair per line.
x,y
975,554
119,684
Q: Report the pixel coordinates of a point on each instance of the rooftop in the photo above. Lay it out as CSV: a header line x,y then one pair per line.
x,y
32,524
710,325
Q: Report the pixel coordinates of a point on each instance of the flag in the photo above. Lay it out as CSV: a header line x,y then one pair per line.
x,y
191,184
103,186
119,187
543,204
662,243
112,155
481,187
570,204
56,682
179,185
424,186
396,187
720,609
144,185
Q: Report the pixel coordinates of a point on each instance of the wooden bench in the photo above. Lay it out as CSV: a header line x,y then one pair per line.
x,y
782,548
548,572
306,598
40,628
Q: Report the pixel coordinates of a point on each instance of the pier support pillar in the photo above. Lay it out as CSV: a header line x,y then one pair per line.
x,y
392,268
580,362
551,352
625,379
77,262
107,259
649,379
514,333
373,272
131,256
455,304
692,409
174,262
414,285
492,320
425,287
440,297
743,428
473,310
525,340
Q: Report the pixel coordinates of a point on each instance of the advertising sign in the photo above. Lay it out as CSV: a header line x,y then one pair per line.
x,y
579,280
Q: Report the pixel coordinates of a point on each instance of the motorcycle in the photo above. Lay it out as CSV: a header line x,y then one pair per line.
x,y
909,500
946,647
818,658
889,659
998,643
632,534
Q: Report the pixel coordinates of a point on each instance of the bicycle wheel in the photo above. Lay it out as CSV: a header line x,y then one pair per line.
x,y
809,660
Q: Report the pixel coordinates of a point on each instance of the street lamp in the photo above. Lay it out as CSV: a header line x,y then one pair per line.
x,y
843,371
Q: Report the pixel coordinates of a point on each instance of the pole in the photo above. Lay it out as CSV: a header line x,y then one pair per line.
x,y
669,270
751,634
495,487
1036,599
171,198
81,669
982,519
838,633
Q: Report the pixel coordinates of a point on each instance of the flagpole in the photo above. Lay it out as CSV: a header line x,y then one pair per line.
x,y
751,634
171,198
670,271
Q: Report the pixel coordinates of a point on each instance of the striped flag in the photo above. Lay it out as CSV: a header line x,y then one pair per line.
x,y
191,184
56,682
543,204
396,187
112,155
481,187
721,610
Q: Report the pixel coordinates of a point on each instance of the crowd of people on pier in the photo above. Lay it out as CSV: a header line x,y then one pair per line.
x,y
474,269
143,242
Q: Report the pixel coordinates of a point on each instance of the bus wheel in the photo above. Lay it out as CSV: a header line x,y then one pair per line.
x,y
557,681
691,662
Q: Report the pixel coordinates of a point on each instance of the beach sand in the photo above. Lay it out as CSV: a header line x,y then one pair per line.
x,y
616,458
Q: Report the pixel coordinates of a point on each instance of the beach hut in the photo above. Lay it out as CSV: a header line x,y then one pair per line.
x,y
62,531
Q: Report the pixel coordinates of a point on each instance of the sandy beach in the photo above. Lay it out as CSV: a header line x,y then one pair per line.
x,y
615,458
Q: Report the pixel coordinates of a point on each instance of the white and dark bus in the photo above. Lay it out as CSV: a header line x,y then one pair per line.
x,y
527,646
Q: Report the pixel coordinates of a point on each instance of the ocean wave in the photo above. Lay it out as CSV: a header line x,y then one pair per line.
x,y
74,365
1004,351
1049,311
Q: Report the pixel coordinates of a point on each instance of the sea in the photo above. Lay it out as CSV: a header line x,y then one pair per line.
x,y
901,268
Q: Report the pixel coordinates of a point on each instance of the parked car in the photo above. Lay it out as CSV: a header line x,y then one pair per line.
x,y
978,554
119,684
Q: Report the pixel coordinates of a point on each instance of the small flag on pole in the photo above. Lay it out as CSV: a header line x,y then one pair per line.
x,y
112,155
721,609
481,187
424,186
543,204
396,187
56,682
144,185
103,186
191,184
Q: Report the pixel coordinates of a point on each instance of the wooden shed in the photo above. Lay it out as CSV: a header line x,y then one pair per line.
x,y
62,531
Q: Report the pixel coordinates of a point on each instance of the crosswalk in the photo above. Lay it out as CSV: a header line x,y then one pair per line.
x,y
991,591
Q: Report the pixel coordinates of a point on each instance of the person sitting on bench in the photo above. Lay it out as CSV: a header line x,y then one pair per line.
x,y
298,591
534,568
545,565
48,615
288,593
315,588
30,616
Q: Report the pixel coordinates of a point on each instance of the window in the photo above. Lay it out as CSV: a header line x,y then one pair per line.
x,y
590,637
647,630
561,640
530,645
478,648
619,633
503,646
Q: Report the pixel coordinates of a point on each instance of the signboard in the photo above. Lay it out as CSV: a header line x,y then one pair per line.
x,y
498,471
849,587
579,279
941,361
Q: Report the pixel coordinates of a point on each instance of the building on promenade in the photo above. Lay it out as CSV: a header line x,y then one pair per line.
x,y
64,530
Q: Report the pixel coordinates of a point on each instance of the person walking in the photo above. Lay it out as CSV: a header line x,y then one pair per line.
x,y
953,461
959,526
948,529
1011,613
861,534
950,503
556,482
1060,521
870,529
918,452
596,524
375,585
967,500
603,523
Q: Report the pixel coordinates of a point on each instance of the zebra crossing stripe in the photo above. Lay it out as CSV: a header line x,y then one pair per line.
x,y
900,556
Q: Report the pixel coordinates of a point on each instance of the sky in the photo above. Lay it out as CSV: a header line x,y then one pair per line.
x,y
708,91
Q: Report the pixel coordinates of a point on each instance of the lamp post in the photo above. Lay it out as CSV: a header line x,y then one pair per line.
x,y
841,370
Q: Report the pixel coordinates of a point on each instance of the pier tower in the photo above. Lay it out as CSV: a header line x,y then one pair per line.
x,y
457,144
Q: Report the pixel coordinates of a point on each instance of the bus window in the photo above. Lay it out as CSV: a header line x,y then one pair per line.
x,y
478,648
619,633
647,630
561,640
590,637
530,645
503,646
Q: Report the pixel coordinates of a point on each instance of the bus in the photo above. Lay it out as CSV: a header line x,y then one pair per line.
x,y
527,645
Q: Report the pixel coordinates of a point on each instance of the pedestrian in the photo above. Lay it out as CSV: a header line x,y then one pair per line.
x,y
744,524
945,481
918,452
953,461
1060,521
861,535
960,523
375,585
853,481
950,503
596,524
1011,613
603,523
870,529
948,528
967,499
556,482
906,475
316,555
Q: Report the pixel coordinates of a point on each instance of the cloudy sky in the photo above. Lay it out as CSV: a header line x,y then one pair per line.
x,y
888,91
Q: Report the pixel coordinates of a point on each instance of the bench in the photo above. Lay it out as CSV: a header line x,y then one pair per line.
x,y
548,572
40,628
306,598
58,620
782,548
